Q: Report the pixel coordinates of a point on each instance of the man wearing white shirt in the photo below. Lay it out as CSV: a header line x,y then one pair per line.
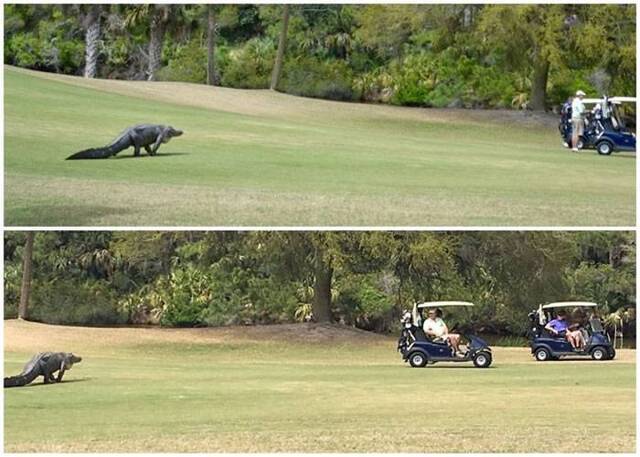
x,y
434,327
577,119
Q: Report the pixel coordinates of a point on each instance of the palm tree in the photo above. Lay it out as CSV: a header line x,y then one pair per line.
x,y
282,44
212,76
158,18
90,17
25,289
91,24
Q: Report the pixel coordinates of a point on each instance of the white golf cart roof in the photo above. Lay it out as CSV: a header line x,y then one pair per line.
x,y
616,100
441,304
570,304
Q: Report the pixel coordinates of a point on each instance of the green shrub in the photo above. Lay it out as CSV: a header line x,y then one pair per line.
x,y
12,280
311,77
225,294
188,63
249,67
186,295
74,303
365,301
449,79
23,50
564,84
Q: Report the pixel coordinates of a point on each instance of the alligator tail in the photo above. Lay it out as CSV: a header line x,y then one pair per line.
x,y
93,153
120,144
16,381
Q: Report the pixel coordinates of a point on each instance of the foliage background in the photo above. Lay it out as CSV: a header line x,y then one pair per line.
x,y
248,278
472,56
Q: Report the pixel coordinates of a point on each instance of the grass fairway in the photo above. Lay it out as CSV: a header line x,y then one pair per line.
x,y
256,158
304,389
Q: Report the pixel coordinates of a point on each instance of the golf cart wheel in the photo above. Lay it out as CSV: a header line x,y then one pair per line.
x,y
599,353
417,360
612,354
542,354
482,359
604,148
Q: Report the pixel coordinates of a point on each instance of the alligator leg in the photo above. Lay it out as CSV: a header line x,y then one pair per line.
x,y
148,149
157,144
60,374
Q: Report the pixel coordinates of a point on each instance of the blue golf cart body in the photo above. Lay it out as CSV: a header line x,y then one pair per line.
x,y
547,346
604,131
419,350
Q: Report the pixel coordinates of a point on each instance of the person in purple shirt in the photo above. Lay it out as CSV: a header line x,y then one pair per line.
x,y
560,327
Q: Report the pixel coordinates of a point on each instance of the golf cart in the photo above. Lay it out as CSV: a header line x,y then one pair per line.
x,y
419,350
547,346
604,130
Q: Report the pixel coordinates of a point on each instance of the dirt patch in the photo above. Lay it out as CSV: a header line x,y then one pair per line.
x,y
30,336
22,336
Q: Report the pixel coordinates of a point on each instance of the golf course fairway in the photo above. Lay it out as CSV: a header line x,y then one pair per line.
x,y
261,158
304,388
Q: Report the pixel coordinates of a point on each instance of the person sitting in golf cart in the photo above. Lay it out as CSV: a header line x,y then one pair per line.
x,y
435,328
560,327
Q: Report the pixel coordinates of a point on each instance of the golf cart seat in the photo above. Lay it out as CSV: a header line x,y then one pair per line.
x,y
418,333
547,334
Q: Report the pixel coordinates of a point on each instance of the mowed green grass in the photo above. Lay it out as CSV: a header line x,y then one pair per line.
x,y
267,390
259,158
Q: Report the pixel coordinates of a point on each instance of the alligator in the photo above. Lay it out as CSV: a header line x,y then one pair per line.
x,y
44,364
148,136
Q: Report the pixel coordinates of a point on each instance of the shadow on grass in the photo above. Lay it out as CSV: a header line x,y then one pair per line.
x,y
158,155
59,215
457,365
64,381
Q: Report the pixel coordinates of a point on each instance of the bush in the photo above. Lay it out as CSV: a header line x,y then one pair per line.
x,y
23,50
186,296
310,77
564,84
249,67
225,294
187,63
74,303
12,280
449,80
364,302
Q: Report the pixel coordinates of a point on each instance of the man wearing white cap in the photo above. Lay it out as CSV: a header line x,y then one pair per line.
x,y
577,120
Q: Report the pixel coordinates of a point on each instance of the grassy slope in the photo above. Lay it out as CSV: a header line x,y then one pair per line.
x,y
262,158
267,389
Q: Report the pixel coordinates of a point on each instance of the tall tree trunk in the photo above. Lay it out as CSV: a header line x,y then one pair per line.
x,y
282,44
25,289
211,46
91,40
322,290
156,40
539,84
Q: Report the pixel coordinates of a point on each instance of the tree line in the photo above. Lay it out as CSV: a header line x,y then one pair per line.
x,y
488,56
361,279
